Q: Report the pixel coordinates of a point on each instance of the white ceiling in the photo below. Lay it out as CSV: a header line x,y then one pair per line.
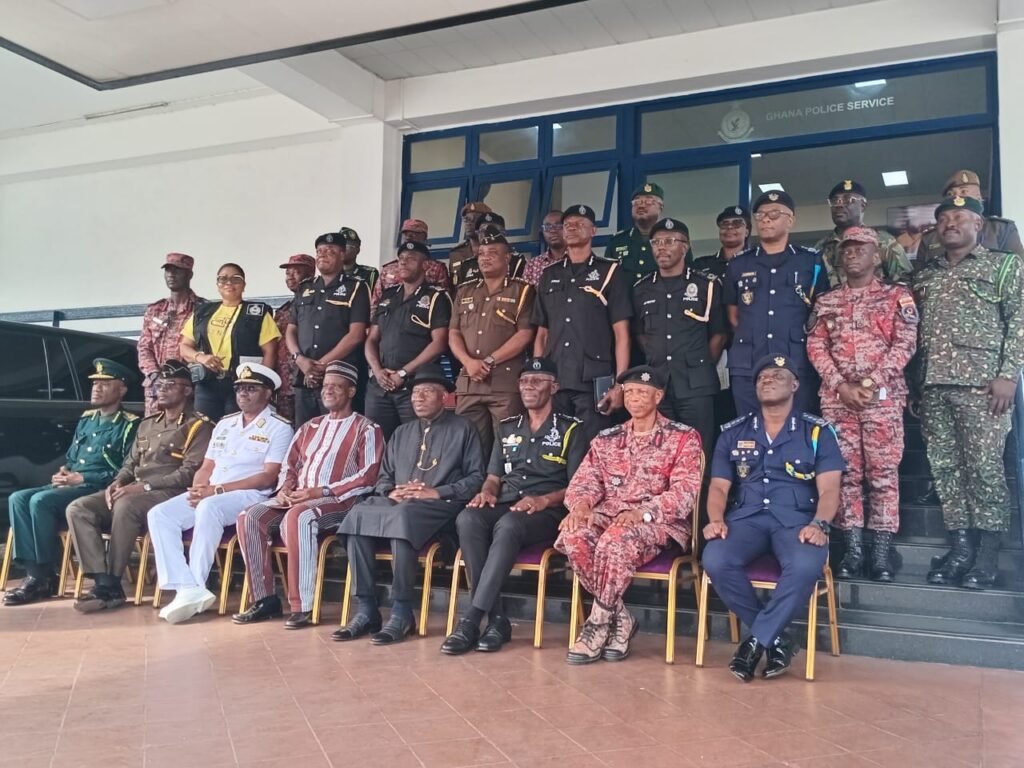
x,y
574,27
112,39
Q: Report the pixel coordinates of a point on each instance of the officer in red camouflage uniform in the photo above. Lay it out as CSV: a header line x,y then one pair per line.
x,y
299,267
860,338
162,324
632,495
413,230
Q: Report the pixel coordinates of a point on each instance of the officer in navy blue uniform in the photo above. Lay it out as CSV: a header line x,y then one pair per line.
x,y
769,291
786,467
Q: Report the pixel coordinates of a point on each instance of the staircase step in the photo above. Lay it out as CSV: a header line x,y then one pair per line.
x,y
910,598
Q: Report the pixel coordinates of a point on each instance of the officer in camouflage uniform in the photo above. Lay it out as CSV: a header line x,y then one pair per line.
x,y
349,266
847,201
972,348
632,247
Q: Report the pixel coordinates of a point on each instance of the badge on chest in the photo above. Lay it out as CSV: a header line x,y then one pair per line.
x,y
744,456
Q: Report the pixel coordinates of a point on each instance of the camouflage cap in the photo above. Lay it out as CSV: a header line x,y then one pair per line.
x,y
958,203
648,188
960,178
414,225
301,260
859,235
181,260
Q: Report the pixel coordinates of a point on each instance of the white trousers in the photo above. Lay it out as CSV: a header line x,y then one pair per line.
x,y
208,519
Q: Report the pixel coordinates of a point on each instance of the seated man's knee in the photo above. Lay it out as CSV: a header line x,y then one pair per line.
x,y
807,563
718,557
75,511
470,523
511,528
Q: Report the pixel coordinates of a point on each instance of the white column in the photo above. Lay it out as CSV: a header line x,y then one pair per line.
x,y
1010,51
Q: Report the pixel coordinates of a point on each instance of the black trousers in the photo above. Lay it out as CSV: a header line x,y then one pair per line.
x,y
572,402
307,405
697,412
215,398
362,554
389,409
491,539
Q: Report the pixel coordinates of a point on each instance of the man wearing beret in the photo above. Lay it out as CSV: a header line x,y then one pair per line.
x,y
353,244
997,233
847,201
240,468
860,338
679,324
471,213
413,231
769,291
632,247
330,315
102,440
432,468
162,323
972,350
582,316
168,449
488,225
534,456
733,230
491,328
786,467
632,496
409,329
299,267
332,462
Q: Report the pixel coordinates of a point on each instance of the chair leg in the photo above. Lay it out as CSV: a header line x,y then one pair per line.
x,y
670,628
346,594
812,633
575,609
542,593
702,619
833,616
5,569
140,582
453,597
284,573
225,574
318,585
244,602
79,578
428,576
734,628
65,563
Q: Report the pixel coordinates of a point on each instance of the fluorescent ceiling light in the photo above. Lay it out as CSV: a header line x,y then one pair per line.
x,y
869,83
772,187
556,126
755,155
895,178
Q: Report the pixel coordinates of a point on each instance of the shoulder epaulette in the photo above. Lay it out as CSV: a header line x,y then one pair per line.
x,y
279,417
313,278
617,429
810,417
90,412
552,264
202,417
678,426
508,419
517,280
227,416
129,416
605,259
1000,218
736,422
567,417
395,287
648,276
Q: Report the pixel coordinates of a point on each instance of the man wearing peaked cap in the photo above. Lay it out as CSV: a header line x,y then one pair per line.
x,y
353,244
847,202
102,440
997,233
167,451
534,455
768,292
971,300
632,247
297,268
162,323
435,272
332,462
240,468
490,229
786,467
471,213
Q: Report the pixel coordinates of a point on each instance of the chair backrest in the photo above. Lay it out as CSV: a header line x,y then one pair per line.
x,y
695,514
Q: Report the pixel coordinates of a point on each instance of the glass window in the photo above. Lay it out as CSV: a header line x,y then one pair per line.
x,y
842,107
696,197
589,188
84,349
594,134
25,377
62,380
437,154
439,208
509,198
902,208
508,146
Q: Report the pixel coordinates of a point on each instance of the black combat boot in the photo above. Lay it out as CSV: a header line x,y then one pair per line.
x,y
883,560
951,568
986,564
853,557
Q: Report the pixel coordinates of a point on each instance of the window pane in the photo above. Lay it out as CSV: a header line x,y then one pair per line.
x,y
508,146
589,188
717,188
509,198
439,208
594,134
62,383
843,107
25,377
437,154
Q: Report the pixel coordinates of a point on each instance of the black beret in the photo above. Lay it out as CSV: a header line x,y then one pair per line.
x,y
492,235
779,196
539,365
175,369
670,225
489,218
432,374
733,212
580,210
961,204
331,238
775,361
414,245
350,234
848,185
643,374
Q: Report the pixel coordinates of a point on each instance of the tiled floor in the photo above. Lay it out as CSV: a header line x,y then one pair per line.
x,y
125,689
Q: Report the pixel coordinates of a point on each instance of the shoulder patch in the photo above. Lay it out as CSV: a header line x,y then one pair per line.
x,y
736,422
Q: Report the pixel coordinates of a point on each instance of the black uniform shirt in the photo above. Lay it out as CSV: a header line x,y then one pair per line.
x,y
534,463
406,323
322,313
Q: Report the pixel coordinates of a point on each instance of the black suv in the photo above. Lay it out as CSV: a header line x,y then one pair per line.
x,y
44,388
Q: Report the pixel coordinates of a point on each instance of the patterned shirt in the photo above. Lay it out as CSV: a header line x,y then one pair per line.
x,y
343,455
538,264
285,364
160,339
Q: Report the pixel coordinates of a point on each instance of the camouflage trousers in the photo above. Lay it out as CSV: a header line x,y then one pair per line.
x,y
606,557
872,444
965,449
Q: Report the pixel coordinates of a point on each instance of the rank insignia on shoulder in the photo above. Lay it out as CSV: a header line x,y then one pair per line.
x,y
129,416
908,310
279,417
816,420
610,431
736,422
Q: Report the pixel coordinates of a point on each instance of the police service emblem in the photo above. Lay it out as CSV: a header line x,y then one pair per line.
x,y
747,297
735,125
645,377
847,185
536,365
742,469
780,361
773,196
691,291
669,225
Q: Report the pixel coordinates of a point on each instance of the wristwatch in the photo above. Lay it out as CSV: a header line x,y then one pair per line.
x,y
648,517
490,360
823,524
402,373
867,383
147,487
218,490
326,491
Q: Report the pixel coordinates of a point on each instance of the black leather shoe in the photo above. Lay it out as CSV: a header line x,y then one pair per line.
x,y
745,660
986,564
261,610
462,639
100,598
31,590
852,564
358,625
884,559
299,620
395,631
778,657
950,569
496,634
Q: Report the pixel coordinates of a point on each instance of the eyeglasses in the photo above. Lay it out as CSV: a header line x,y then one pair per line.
x,y
551,227
658,242
771,215
840,200
732,224
230,279
577,224
248,389
169,383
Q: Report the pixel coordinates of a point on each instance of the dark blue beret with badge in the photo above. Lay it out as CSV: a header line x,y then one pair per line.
x,y
330,238
733,212
779,196
644,374
670,225
539,365
495,219
847,186
580,210
414,246
775,361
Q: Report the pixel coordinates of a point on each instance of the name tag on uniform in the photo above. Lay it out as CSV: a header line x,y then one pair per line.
x,y
467,300
260,438
746,444
506,299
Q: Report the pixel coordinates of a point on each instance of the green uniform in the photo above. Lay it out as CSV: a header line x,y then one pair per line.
x,y
632,249
894,268
97,453
367,274
998,234
972,331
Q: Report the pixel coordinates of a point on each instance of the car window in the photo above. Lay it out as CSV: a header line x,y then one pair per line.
x,y
85,349
24,377
62,380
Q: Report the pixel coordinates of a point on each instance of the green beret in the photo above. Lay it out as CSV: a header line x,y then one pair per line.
x,y
960,204
648,188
